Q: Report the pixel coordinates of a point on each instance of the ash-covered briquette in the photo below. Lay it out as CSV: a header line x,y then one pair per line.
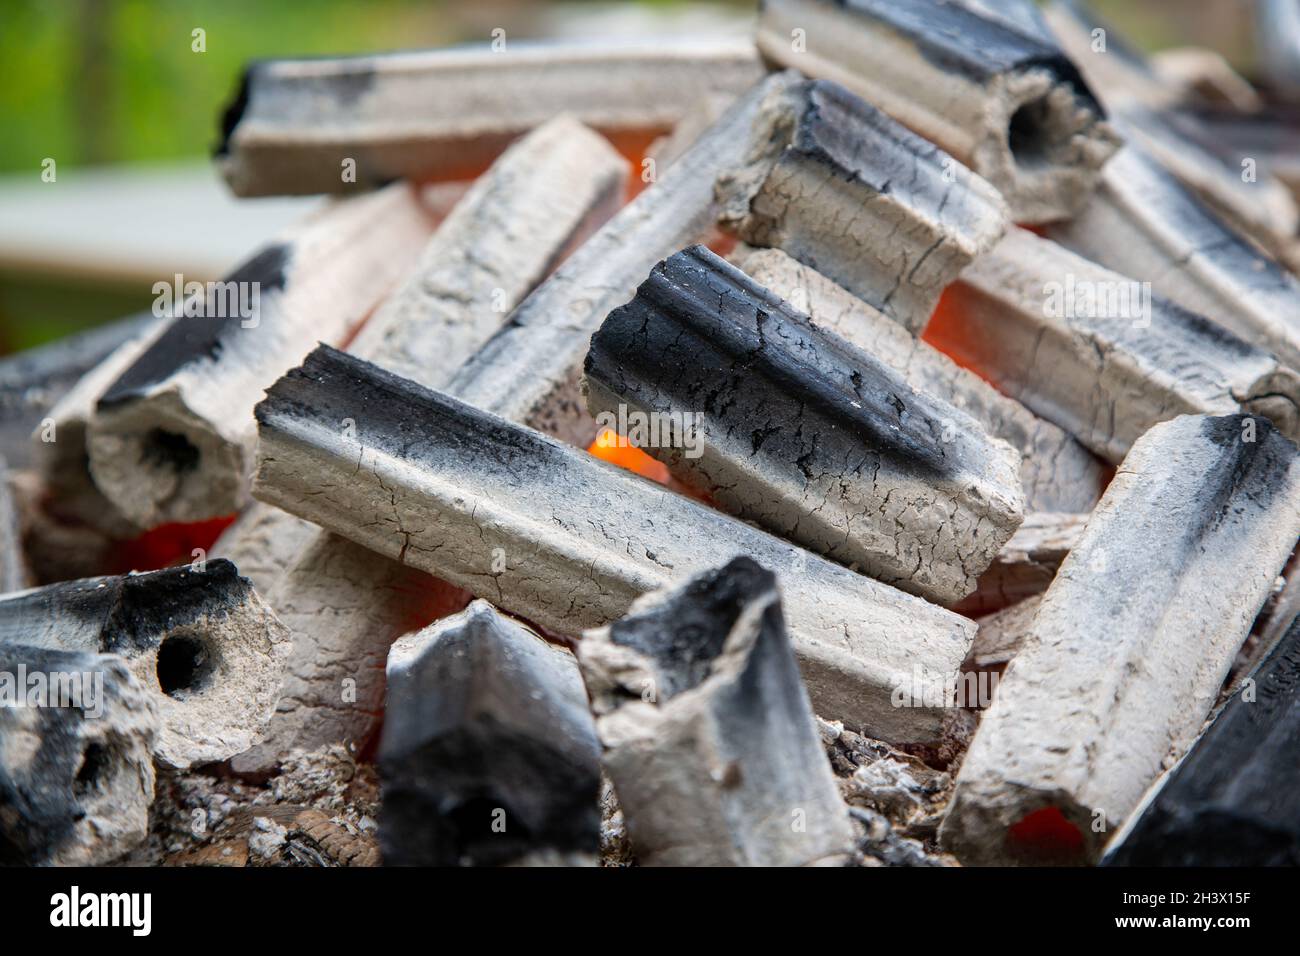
x,y
34,380
1004,101
200,641
1097,353
76,773
552,534
1234,800
707,732
447,114
528,371
489,753
836,183
345,605
171,438
1143,223
799,432
1056,472
14,572
1130,645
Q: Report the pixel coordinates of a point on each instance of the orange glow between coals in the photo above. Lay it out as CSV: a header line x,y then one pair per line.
x,y
612,447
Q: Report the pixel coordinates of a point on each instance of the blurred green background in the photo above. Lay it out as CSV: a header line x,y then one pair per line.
x,y
98,82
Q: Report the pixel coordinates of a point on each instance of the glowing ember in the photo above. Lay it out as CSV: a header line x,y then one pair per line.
x,y
614,448
1045,834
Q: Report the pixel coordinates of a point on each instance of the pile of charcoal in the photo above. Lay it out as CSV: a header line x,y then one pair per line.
x,y
871,442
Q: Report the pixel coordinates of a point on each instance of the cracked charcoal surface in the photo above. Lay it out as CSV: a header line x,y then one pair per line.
x,y
1057,473
172,438
1104,376
486,724
1001,99
706,729
1113,683
805,435
1232,801
76,775
839,185
1187,254
443,486
403,114
204,646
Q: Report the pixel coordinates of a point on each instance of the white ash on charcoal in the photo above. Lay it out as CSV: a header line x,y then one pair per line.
x,y
706,729
797,431
262,542
200,641
1005,102
553,535
1143,223
1115,677
1232,801
529,370
1027,563
346,605
447,114
1098,354
1056,472
615,845
836,183
77,731
320,809
34,380
171,438
1002,634
489,754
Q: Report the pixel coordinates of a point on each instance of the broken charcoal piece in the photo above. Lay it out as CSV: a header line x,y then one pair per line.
x,y
708,735
489,753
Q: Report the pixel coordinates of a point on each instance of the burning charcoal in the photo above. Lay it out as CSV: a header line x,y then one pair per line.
x,y
1002,634
1232,800
76,776
32,381
345,605
262,542
837,184
1027,563
706,728
1095,352
446,114
14,573
201,643
567,541
529,371
1057,473
795,430
1006,103
171,438
489,753
1131,643
1186,253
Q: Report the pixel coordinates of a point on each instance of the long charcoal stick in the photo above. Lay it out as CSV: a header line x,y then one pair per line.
x,y
171,439
1142,223
836,183
801,433
201,642
1058,474
1232,800
1006,103
345,605
529,370
706,728
1096,353
567,541
1131,643
447,114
